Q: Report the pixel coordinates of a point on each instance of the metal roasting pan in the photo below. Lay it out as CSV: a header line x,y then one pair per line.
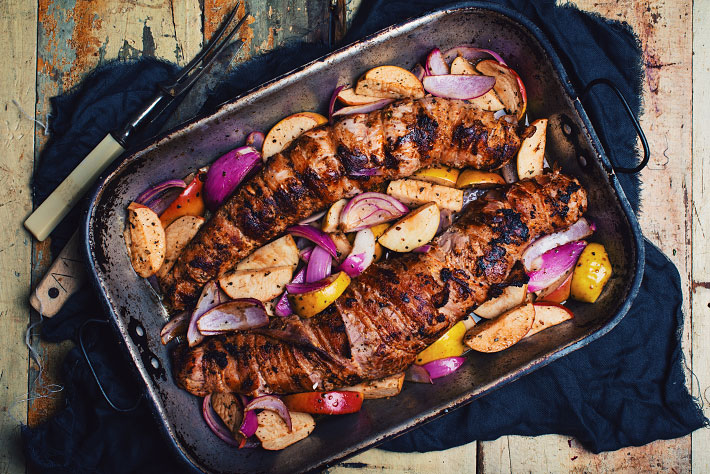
x,y
137,314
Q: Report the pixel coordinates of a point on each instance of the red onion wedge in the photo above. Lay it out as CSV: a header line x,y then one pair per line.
x,y
216,425
250,422
283,307
458,86
443,367
368,209
362,109
175,327
418,374
423,249
470,53
273,403
227,173
160,196
299,288
316,236
255,140
236,315
319,265
362,254
554,263
419,71
151,193
313,217
435,64
210,297
331,105
577,231
305,254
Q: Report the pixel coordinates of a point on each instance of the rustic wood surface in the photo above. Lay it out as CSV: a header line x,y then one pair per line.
x,y
53,44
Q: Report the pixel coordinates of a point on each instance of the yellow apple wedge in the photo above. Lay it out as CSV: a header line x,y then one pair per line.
x,y
509,87
289,128
502,332
548,315
438,174
478,179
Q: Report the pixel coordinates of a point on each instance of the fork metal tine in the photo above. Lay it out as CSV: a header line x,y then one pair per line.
x,y
206,57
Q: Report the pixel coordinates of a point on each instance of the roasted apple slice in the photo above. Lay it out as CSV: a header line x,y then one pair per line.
x,y
263,284
531,156
391,82
502,332
415,192
548,315
280,252
177,236
332,217
382,388
349,97
509,87
557,292
146,239
488,101
275,435
413,230
511,297
289,128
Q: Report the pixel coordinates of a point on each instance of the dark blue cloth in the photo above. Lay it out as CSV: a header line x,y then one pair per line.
x,y
625,389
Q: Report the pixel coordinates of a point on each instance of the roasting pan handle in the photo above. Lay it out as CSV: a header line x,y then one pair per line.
x,y
93,371
639,131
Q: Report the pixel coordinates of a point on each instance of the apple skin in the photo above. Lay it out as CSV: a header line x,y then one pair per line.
x,y
561,293
337,402
548,315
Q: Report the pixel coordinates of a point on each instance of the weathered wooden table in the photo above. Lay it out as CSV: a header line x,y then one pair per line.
x,y
51,44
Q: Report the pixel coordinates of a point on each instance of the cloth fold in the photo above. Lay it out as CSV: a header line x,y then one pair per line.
x,y
627,388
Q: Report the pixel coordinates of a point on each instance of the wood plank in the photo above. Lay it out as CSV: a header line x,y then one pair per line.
x,y
700,286
460,459
73,39
664,29
18,21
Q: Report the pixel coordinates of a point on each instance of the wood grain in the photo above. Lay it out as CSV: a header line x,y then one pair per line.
x,y
460,459
18,20
700,286
664,30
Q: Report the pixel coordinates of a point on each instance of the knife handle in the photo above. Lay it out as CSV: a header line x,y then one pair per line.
x,y
51,212
63,279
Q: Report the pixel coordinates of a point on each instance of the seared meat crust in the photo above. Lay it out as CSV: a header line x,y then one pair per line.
x,y
326,164
395,309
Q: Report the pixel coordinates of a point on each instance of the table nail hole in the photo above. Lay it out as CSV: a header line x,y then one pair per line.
x,y
155,363
53,292
140,331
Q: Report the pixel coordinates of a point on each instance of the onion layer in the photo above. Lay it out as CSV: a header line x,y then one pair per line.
x,y
236,315
418,374
471,53
362,109
215,424
273,403
255,140
435,64
554,264
250,422
368,209
283,306
319,265
227,173
577,231
331,105
210,297
316,236
361,255
175,327
443,367
458,86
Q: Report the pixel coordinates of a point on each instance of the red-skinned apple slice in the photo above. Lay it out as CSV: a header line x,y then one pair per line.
x,y
557,293
502,332
509,86
548,315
